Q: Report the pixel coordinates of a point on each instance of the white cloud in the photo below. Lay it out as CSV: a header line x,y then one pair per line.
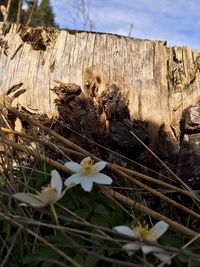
x,y
175,21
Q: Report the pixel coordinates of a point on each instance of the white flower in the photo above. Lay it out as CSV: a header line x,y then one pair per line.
x,y
87,173
143,232
49,194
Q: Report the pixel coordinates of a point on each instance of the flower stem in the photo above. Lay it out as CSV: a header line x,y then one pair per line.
x,y
54,214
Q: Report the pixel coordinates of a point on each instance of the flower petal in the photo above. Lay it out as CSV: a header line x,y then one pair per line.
x,y
85,159
73,179
164,257
73,166
29,199
100,165
56,181
101,178
130,248
87,184
148,249
157,230
125,230
62,194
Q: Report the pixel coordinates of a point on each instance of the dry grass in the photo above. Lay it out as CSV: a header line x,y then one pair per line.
x,y
15,153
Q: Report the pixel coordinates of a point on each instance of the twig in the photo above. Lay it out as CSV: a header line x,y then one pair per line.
x,y
183,247
61,253
164,165
7,11
112,167
121,174
19,11
54,214
10,248
31,13
176,226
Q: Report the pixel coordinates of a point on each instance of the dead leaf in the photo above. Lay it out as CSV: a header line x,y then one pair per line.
x,y
18,125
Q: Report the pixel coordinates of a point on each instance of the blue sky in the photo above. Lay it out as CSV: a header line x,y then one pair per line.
x,y
176,21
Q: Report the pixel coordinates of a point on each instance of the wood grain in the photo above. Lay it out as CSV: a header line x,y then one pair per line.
x,y
156,81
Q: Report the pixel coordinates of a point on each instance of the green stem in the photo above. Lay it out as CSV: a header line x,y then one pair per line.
x,y
54,214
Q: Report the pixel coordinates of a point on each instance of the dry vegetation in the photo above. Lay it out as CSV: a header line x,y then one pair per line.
x,y
78,230
82,234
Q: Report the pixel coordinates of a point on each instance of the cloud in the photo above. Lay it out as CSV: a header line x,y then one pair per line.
x,y
175,21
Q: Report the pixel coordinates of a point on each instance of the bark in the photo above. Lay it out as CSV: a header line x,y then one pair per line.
x,y
188,167
156,82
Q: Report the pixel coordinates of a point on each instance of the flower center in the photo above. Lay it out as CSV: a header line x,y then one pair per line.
x,y
88,167
142,231
48,194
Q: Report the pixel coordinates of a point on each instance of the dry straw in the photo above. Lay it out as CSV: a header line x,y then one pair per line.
x,y
121,172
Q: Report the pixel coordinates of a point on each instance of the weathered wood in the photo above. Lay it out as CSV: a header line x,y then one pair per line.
x,y
188,167
156,82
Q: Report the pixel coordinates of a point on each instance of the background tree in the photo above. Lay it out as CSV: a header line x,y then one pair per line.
x,y
45,14
79,13
30,16
12,16
42,14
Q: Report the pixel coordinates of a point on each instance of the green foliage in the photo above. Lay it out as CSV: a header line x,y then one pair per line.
x,y
42,16
46,14
33,259
75,211
173,239
94,207
2,182
178,241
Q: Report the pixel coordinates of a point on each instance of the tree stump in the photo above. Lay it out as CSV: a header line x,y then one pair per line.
x,y
188,167
156,82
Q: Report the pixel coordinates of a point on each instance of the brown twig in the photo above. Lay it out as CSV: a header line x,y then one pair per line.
x,y
176,226
7,11
19,11
31,13
120,173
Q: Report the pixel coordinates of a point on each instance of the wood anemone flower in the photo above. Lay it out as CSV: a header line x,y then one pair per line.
x,y
143,232
49,194
87,173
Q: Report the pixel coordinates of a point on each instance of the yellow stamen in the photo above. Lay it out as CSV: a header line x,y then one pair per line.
x,y
48,194
88,167
143,232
